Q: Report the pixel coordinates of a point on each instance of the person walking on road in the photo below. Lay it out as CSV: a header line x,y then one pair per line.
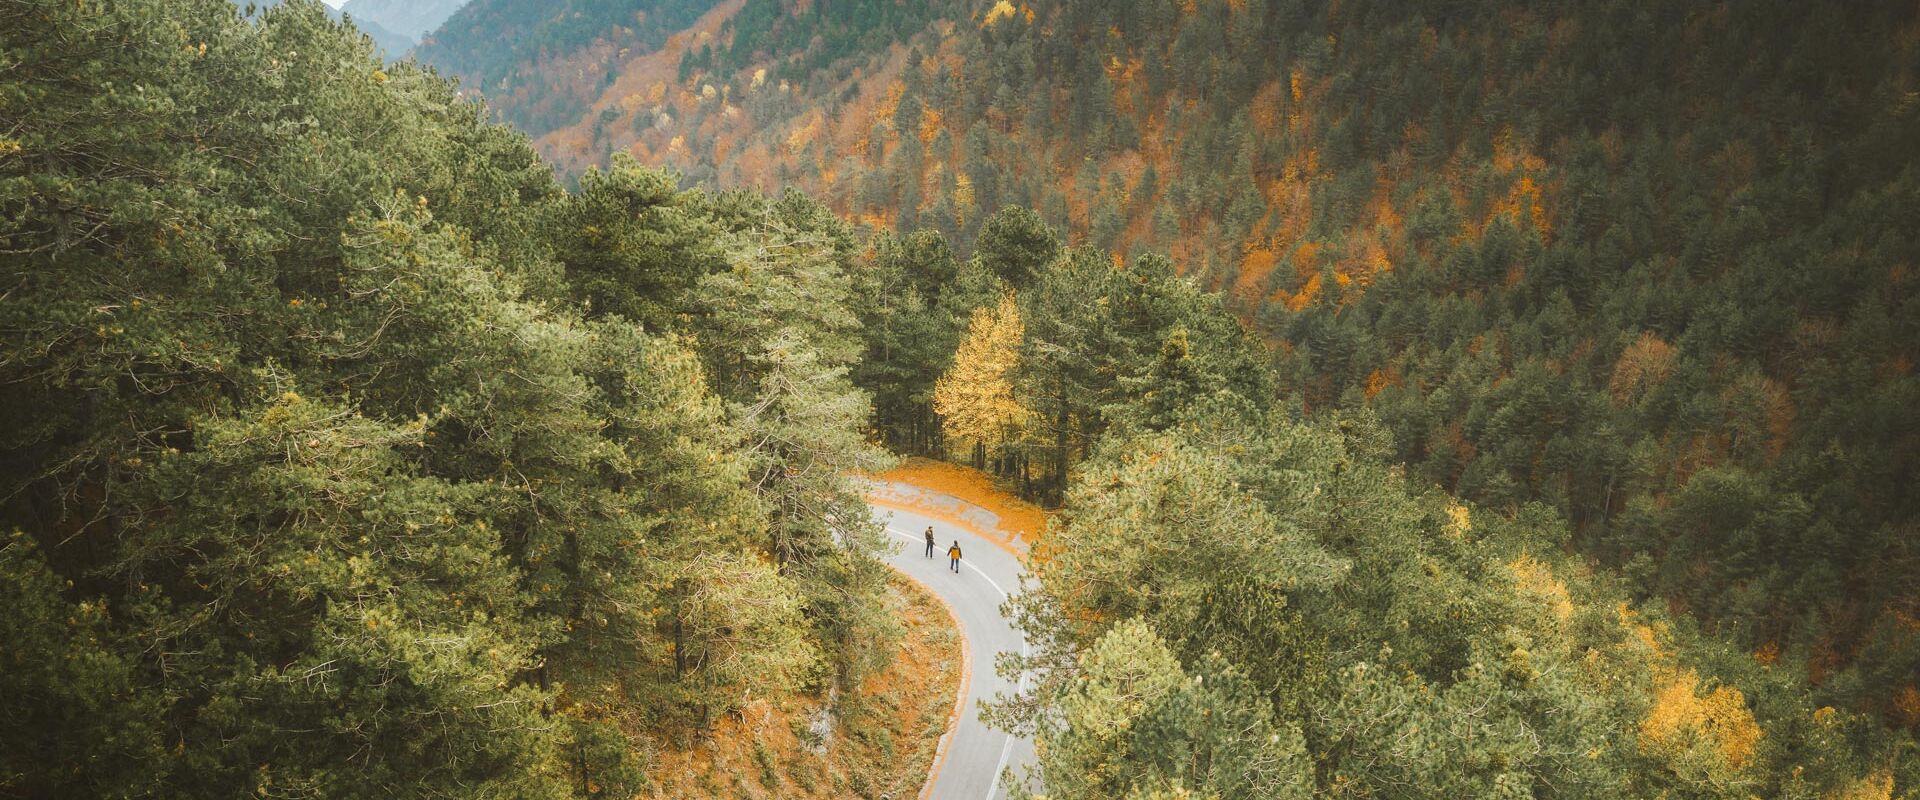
x,y
953,556
929,541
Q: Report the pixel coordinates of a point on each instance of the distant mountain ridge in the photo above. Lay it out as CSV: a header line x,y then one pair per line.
x,y
413,19
393,44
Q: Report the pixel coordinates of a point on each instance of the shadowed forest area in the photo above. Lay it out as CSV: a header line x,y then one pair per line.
x,y
346,455
1437,399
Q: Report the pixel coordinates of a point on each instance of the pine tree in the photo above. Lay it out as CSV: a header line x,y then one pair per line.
x,y
910,336
346,492
779,336
1016,244
633,244
1135,724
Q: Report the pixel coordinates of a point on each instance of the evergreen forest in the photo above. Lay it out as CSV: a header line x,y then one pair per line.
x,y
1436,399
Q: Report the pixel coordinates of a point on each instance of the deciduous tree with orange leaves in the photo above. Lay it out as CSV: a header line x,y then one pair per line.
x,y
976,398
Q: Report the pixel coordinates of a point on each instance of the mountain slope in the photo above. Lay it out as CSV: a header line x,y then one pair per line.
x,y
347,454
1648,263
746,93
392,45
323,478
540,63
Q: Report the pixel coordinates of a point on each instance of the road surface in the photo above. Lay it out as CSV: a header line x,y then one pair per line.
x,y
973,756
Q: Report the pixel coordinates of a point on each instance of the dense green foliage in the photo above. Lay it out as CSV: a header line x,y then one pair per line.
x,y
347,456
1563,445
1648,263
1235,603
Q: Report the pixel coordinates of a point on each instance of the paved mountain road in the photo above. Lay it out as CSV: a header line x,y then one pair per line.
x,y
973,755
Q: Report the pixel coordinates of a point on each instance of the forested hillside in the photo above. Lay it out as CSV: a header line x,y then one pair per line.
x,y
345,455
540,63
1645,263
1239,602
1439,399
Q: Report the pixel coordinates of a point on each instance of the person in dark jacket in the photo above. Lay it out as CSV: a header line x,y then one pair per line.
x,y
929,541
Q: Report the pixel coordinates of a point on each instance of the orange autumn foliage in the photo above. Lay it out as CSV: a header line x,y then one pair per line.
x,y
1301,299
1877,786
1256,264
802,135
1642,367
1378,380
1266,111
1000,10
1306,267
1017,516
1306,259
929,125
1906,707
1523,204
1523,201
1683,717
1708,734
884,113
640,87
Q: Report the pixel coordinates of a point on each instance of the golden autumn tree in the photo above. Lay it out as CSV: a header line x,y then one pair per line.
x,y
1705,737
1643,367
975,398
1703,734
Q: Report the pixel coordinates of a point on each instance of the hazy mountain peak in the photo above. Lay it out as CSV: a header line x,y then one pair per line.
x,y
410,18
393,44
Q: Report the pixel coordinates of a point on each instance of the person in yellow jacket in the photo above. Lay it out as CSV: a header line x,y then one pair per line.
x,y
953,556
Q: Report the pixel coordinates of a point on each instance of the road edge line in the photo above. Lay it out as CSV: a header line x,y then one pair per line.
x,y
966,682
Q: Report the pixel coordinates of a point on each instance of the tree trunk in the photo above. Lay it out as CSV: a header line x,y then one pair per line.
x,y
1058,485
679,648
586,781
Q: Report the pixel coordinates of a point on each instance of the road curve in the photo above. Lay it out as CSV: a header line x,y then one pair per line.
x,y
973,756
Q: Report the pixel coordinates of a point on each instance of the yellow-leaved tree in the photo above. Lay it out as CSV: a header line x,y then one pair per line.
x,y
975,397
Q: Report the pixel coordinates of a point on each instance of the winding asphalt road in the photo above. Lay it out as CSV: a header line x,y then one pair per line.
x,y
973,756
